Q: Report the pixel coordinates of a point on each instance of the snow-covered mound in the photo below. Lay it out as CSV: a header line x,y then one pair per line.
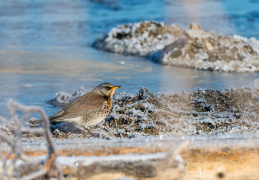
x,y
192,47
139,39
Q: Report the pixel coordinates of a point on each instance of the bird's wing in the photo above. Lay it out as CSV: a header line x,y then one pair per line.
x,y
85,104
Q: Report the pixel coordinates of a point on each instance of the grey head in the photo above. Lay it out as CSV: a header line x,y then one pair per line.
x,y
105,89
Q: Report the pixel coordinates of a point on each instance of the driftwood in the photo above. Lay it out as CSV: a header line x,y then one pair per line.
x,y
142,166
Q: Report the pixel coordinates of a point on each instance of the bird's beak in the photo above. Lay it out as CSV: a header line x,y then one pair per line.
x,y
116,87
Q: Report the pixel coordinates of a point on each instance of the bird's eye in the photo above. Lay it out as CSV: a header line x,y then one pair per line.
x,y
108,87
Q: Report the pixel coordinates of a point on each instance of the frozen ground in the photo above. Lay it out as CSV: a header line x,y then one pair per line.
x,y
201,113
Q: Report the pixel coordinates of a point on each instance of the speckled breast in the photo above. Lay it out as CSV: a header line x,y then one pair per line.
x,y
96,117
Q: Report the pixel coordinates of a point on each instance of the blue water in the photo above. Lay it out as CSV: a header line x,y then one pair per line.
x,y
45,46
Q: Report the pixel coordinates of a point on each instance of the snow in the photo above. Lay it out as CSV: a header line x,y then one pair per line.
x,y
72,161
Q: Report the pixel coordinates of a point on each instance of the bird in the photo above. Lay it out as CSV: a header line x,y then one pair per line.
x,y
88,110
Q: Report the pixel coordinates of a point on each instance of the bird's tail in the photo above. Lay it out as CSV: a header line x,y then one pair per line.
x,y
35,121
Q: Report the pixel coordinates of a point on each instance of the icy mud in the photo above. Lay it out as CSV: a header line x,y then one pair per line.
x,y
203,112
192,47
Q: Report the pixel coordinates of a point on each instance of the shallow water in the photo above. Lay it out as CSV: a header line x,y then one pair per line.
x,y
45,46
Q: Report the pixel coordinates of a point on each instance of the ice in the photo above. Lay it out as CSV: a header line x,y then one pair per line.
x,y
68,161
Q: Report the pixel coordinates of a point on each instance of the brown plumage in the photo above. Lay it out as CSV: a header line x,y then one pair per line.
x,y
89,109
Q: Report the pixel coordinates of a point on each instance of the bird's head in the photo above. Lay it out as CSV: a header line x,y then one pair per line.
x,y
105,89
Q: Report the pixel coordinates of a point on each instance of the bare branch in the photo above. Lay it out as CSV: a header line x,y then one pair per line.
x,y
16,153
6,139
6,123
60,171
174,152
11,107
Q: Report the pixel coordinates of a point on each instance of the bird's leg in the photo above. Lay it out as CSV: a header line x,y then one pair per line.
x,y
91,133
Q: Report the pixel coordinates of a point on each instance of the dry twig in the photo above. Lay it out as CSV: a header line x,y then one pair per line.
x,y
11,146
